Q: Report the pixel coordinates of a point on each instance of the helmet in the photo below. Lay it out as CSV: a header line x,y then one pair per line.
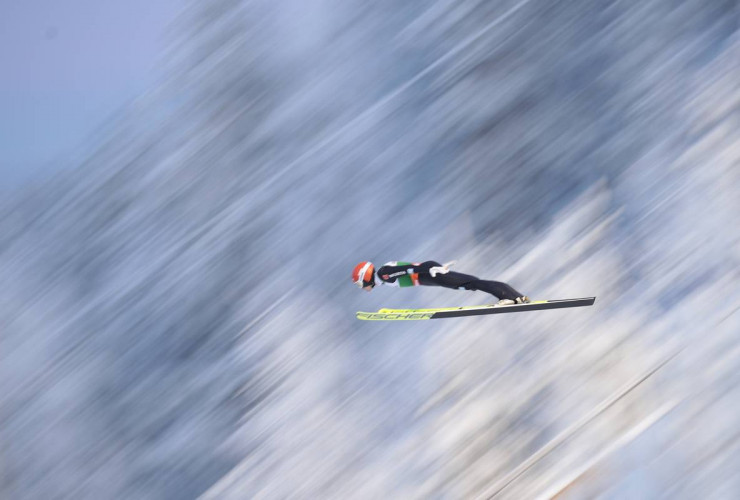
x,y
363,274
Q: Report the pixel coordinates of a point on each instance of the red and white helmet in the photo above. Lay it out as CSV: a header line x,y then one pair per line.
x,y
362,275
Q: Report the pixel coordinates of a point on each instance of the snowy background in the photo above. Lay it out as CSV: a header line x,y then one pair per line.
x,y
177,315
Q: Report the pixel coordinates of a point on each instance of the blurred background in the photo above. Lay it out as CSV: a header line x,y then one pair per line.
x,y
186,187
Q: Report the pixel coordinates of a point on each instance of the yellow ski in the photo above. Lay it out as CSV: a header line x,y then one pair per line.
x,y
461,308
452,312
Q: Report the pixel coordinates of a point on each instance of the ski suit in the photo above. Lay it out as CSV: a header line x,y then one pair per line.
x,y
413,274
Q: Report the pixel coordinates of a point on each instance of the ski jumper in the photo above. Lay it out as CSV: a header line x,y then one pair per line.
x,y
412,274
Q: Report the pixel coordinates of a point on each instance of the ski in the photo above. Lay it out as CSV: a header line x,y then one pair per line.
x,y
454,312
439,309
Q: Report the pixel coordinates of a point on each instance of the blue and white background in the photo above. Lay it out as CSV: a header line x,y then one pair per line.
x,y
187,187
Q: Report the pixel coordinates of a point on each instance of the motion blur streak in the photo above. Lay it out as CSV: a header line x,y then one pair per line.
x,y
177,314
573,429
